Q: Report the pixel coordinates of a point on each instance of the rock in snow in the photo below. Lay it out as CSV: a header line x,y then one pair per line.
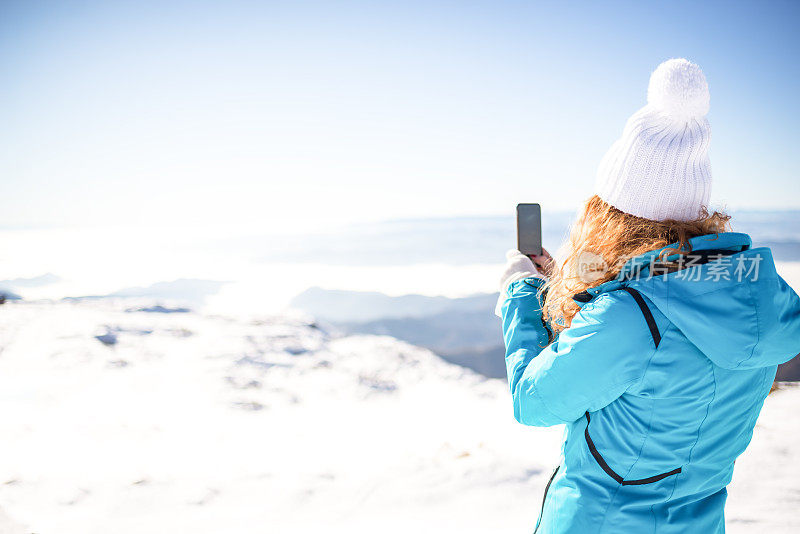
x,y
108,338
277,426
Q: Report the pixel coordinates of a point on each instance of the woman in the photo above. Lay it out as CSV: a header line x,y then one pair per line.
x,y
656,339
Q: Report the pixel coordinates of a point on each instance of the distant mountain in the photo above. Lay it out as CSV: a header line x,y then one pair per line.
x,y
9,288
35,281
341,306
183,289
463,331
470,338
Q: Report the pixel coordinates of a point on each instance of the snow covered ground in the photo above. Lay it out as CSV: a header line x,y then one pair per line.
x,y
122,418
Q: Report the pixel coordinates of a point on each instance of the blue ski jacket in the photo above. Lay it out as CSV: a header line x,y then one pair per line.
x,y
659,380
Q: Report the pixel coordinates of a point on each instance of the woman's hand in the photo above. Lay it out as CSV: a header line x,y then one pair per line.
x,y
543,262
518,266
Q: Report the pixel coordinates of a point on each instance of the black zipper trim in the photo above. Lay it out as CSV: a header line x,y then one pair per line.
x,y
544,499
583,296
610,472
648,315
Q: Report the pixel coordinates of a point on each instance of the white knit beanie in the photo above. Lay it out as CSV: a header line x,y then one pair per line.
x,y
659,168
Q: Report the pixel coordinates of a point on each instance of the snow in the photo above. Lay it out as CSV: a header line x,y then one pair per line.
x,y
766,481
194,422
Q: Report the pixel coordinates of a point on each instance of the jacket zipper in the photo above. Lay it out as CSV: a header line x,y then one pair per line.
x,y
544,499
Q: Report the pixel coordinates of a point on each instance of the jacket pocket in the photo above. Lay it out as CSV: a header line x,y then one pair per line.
x,y
613,474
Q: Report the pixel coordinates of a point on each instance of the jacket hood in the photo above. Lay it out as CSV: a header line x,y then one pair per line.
x,y
735,308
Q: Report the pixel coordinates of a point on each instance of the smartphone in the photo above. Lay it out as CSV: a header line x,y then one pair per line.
x,y
529,229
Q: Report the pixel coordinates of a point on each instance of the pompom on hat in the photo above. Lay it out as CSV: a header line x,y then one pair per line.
x,y
679,88
659,169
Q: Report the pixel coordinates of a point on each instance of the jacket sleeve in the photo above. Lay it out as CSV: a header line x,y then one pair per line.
x,y
604,352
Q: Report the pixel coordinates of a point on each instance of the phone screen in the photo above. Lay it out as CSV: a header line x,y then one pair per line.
x,y
529,229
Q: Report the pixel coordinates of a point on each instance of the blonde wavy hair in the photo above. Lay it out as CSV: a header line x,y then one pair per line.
x,y
614,236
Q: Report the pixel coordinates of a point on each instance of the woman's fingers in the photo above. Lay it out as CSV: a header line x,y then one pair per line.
x,y
539,261
544,255
543,261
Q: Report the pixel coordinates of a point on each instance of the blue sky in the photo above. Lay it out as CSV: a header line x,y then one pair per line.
x,y
276,113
